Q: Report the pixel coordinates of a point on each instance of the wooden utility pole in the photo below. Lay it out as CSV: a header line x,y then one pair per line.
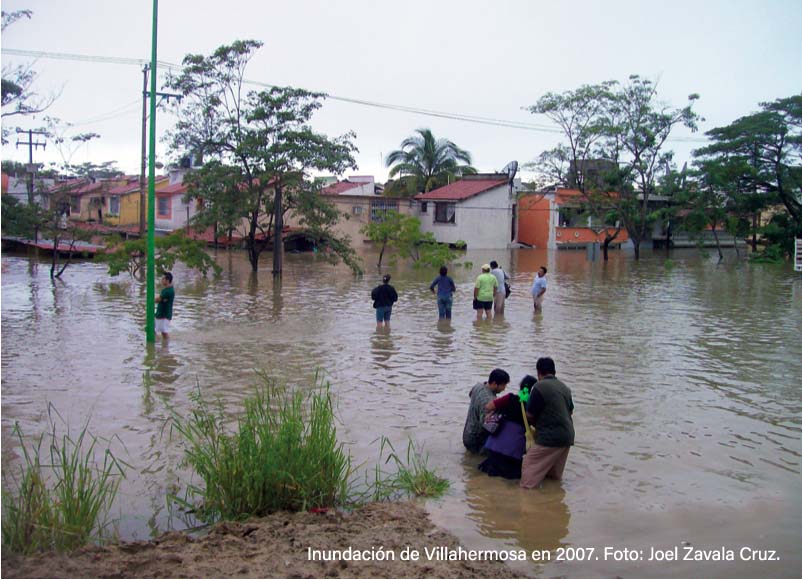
x,y
30,170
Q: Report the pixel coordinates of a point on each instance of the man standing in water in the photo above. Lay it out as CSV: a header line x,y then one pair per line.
x,y
483,292
550,411
501,291
384,296
445,293
474,434
539,288
164,306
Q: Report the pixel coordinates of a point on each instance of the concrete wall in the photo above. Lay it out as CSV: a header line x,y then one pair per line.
x,y
483,221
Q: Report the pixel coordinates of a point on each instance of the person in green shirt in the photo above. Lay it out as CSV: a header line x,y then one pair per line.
x,y
164,306
483,292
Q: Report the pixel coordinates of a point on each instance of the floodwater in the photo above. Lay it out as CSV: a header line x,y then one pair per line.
x,y
686,376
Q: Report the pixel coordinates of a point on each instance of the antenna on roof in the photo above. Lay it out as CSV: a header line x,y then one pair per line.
x,y
510,169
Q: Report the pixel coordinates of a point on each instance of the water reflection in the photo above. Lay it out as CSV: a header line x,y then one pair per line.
x,y
535,519
382,346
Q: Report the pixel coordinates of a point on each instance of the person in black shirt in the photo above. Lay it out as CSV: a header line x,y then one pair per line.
x,y
384,296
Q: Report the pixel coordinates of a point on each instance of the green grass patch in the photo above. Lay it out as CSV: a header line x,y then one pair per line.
x,y
281,453
409,475
59,498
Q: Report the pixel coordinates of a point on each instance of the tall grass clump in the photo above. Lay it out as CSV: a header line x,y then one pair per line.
x,y
281,453
409,475
59,498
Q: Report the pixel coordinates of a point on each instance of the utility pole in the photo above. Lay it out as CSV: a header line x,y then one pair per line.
x,y
30,170
142,185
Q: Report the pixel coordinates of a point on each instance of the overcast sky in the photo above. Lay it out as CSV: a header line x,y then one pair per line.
x,y
468,57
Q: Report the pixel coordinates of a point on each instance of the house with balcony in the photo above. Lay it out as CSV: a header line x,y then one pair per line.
x,y
479,210
560,219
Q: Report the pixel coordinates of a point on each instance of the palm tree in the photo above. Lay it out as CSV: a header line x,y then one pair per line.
x,y
428,162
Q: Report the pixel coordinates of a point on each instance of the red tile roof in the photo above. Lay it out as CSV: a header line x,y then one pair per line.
x,y
173,189
339,187
462,189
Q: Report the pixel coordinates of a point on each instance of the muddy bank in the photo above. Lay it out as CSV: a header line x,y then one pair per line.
x,y
271,547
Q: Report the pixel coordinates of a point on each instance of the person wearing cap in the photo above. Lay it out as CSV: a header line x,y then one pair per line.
x,y
384,296
501,292
483,292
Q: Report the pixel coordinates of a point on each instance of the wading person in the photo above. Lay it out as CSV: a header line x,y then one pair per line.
x,y
550,410
384,296
445,293
505,447
501,291
539,288
474,433
164,306
483,292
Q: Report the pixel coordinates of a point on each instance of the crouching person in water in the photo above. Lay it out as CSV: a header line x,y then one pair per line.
x,y
505,447
474,434
550,411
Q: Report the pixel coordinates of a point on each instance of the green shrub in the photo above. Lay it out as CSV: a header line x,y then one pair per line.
x,y
59,498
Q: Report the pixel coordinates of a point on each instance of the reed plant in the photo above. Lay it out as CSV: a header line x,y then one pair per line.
x,y
409,475
59,497
281,453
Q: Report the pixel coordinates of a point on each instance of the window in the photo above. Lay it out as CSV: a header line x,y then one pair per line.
x,y
380,207
445,213
424,206
163,207
114,205
75,204
356,210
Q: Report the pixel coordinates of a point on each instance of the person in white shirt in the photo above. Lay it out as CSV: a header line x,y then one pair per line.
x,y
501,292
539,288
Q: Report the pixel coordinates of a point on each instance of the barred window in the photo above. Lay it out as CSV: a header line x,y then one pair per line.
x,y
445,213
380,207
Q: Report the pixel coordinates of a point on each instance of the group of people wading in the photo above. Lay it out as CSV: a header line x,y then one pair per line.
x,y
490,292
524,435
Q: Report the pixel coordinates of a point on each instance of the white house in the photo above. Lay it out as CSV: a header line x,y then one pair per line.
x,y
172,212
478,210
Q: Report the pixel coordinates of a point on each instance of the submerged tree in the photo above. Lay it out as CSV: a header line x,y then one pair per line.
x,y
259,147
424,163
626,126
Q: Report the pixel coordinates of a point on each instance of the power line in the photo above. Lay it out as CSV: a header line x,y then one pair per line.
x,y
477,119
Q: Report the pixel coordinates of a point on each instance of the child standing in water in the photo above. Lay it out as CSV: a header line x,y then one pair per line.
x,y
164,306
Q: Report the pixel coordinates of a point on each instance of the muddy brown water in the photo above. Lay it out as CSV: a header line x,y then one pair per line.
x,y
687,380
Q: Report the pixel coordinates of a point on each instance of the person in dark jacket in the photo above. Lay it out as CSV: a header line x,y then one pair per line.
x,y
550,411
505,447
384,296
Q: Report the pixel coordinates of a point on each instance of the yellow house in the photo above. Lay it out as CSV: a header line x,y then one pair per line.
x,y
122,202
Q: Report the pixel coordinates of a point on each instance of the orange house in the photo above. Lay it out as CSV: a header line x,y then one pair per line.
x,y
557,219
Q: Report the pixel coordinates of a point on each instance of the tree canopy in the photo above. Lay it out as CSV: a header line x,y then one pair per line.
x,y
258,149
424,163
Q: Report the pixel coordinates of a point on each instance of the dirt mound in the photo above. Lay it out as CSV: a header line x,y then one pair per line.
x,y
275,546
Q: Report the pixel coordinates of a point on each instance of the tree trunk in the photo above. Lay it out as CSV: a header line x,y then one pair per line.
x,y
636,244
606,246
278,245
718,244
754,230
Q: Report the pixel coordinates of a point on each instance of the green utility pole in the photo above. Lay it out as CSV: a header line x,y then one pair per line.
x,y
150,326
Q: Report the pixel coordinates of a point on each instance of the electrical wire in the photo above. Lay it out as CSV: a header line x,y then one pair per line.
x,y
477,119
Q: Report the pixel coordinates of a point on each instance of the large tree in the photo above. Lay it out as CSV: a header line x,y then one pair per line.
x,y
259,140
761,156
424,163
626,125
